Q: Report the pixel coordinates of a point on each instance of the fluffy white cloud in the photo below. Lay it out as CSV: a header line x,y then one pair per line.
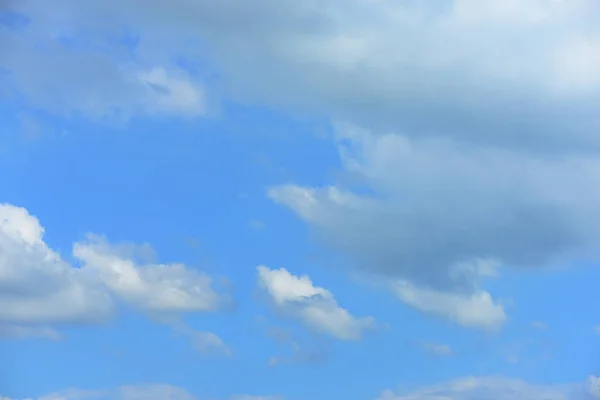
x,y
36,285
314,306
497,388
39,289
154,288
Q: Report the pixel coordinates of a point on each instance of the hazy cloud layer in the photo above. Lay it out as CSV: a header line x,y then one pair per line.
x,y
527,76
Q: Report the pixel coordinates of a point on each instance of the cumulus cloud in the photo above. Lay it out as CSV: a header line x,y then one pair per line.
x,y
39,289
154,288
497,388
314,306
37,286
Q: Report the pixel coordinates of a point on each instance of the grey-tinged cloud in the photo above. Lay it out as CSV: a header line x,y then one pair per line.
x,y
313,306
99,79
39,290
529,75
437,219
497,388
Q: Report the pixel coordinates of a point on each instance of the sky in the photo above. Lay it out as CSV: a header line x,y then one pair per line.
x,y
284,200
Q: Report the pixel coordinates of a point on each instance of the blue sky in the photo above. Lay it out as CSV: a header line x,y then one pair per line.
x,y
279,200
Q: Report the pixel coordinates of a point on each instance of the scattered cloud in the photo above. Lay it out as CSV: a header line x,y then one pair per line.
x,y
497,388
440,151
40,290
315,307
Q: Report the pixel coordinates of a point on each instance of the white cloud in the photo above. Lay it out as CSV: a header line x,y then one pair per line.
x,y
497,388
471,310
172,94
314,306
38,289
154,288
37,286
